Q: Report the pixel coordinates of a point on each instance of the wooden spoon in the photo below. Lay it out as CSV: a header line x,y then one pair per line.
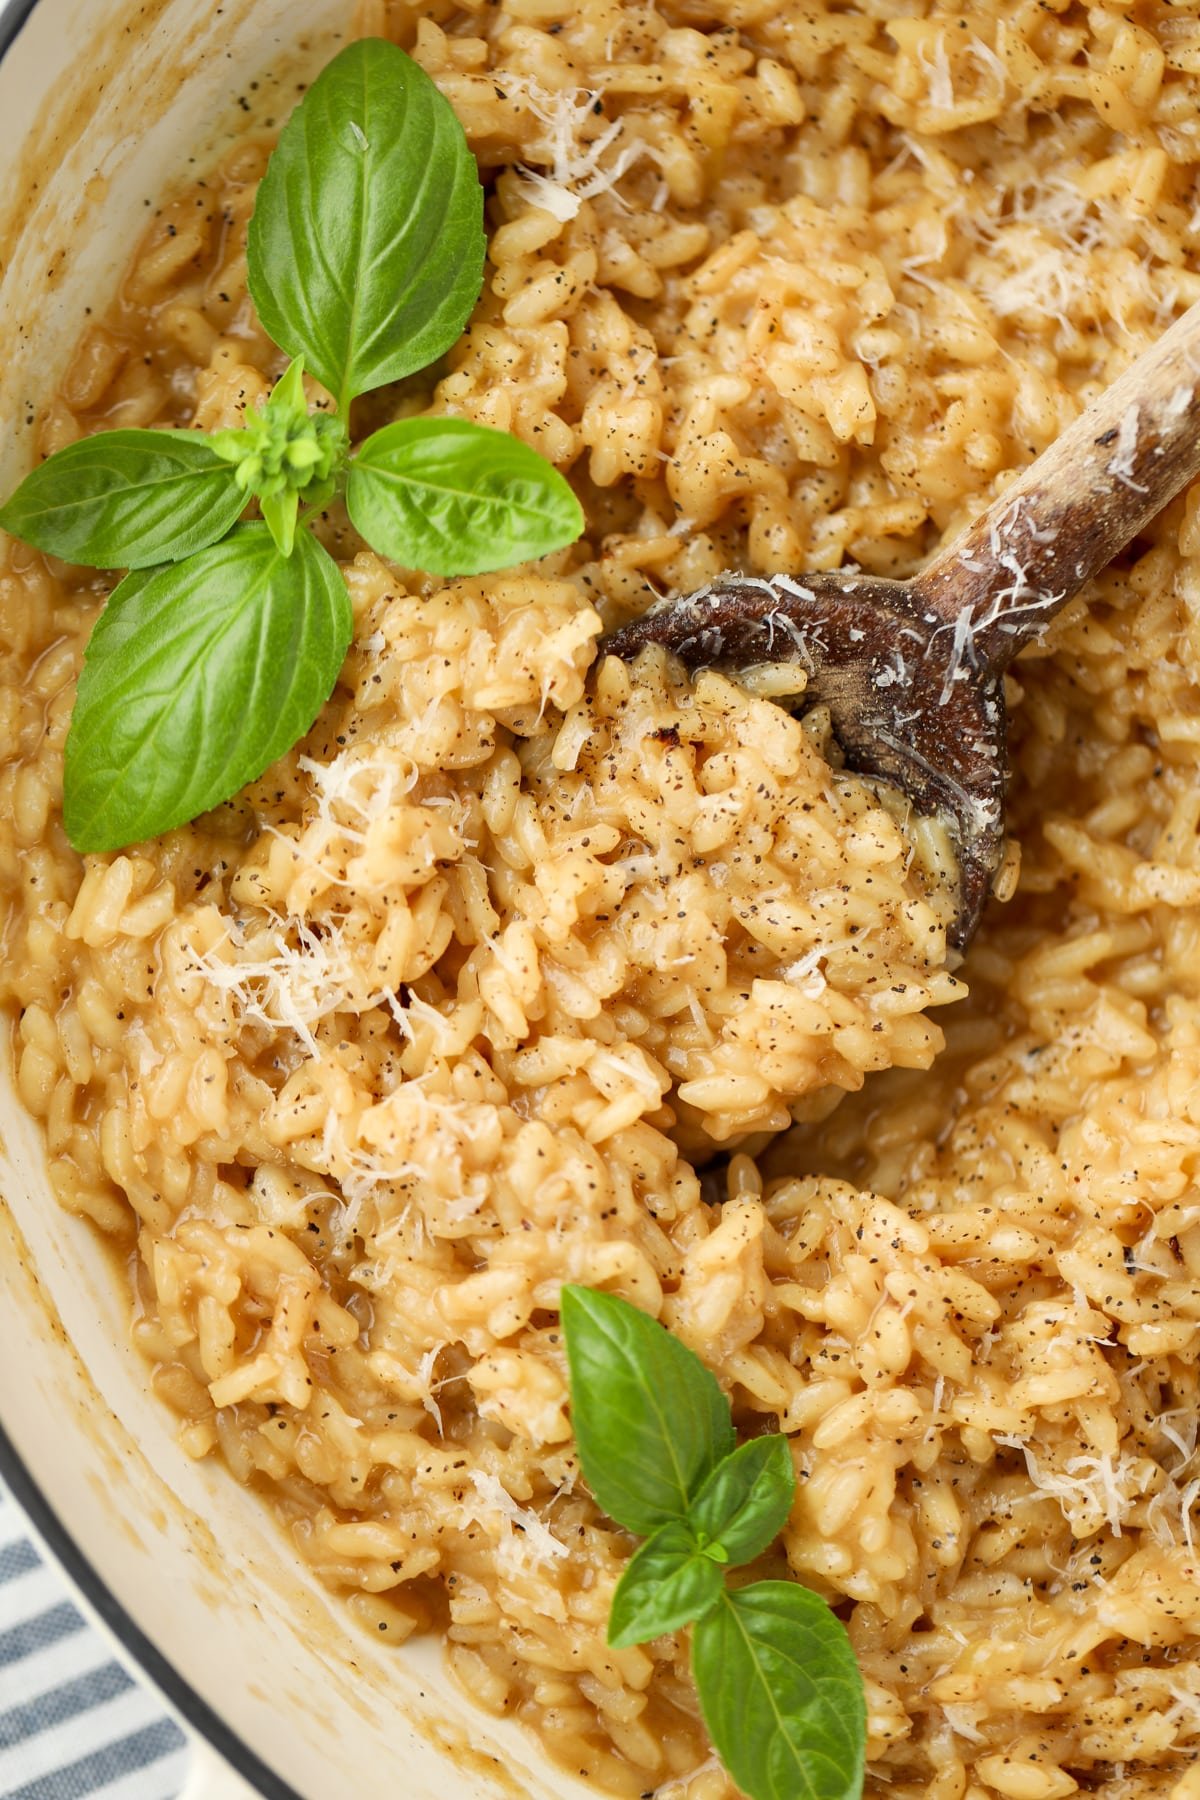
x,y
913,671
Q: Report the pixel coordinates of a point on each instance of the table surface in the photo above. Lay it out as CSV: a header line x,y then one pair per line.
x,y
73,1722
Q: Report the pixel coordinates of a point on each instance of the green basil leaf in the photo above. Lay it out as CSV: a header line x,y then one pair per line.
x,y
781,1693
287,399
366,245
280,512
745,1502
126,500
668,1584
454,498
650,1421
197,677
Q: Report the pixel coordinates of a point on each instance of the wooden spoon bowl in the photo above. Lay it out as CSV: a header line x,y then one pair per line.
x,y
913,671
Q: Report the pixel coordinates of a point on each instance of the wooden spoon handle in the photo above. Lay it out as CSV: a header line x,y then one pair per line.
x,y
1068,514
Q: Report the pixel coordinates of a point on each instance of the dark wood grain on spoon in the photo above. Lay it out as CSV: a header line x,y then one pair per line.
x,y
913,671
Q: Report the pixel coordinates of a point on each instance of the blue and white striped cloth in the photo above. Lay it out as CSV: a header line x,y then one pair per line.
x,y
73,1722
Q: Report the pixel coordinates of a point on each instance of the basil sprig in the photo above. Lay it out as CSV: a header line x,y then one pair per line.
x,y
218,650
779,1687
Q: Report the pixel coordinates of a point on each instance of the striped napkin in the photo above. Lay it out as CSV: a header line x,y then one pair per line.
x,y
73,1722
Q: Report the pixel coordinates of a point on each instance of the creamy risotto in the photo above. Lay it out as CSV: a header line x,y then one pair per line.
x,y
520,968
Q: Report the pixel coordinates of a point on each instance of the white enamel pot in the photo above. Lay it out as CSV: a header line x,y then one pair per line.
x,y
102,102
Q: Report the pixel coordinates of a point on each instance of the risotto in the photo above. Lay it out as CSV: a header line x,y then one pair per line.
x,y
528,968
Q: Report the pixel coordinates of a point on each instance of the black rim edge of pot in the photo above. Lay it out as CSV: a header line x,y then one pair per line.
x,y
174,1687
11,23
14,1472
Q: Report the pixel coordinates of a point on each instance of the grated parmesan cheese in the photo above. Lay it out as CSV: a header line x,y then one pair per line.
x,y
289,975
576,172
1121,463
527,1541
1088,1488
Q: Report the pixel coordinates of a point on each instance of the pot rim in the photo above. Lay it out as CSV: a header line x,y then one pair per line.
x,y
66,1552
83,1575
